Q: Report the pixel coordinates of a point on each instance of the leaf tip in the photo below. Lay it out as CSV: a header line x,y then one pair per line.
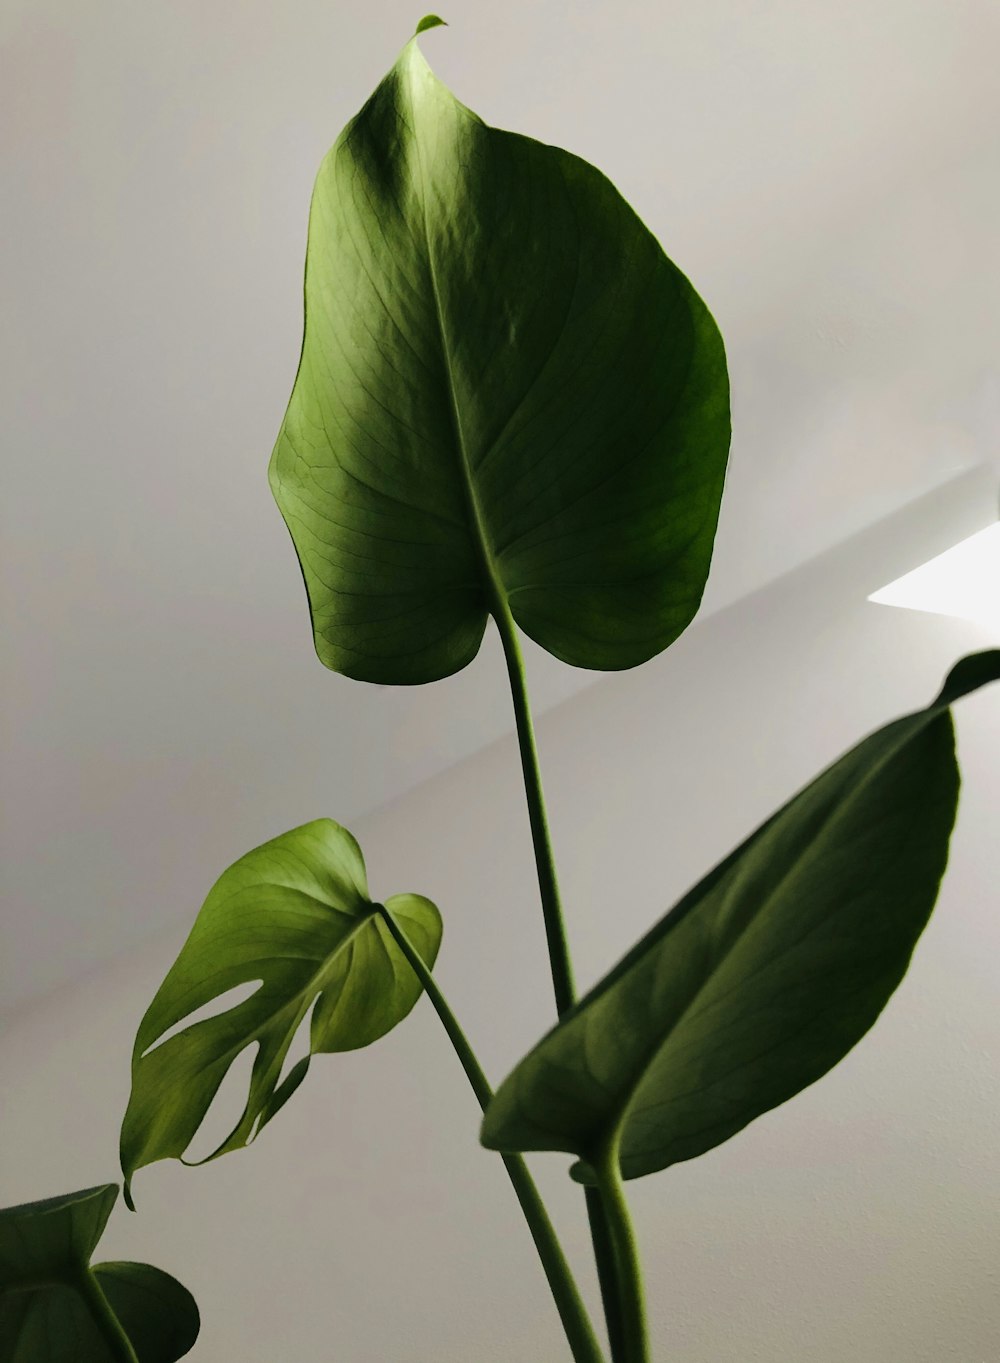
x,y
970,673
429,21
127,1193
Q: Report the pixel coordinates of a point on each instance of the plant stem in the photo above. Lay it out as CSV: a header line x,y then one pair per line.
x,y
108,1323
555,933
555,928
635,1339
572,1312
607,1273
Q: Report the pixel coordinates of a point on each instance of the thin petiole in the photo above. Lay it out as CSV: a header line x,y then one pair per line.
x,y
607,1273
635,1337
119,1345
555,934
572,1312
548,885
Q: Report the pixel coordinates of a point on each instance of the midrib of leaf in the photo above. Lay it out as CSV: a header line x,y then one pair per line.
x,y
627,1110
22,1327
297,1006
497,592
299,1001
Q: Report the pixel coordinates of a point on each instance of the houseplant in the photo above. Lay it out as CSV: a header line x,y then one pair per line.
x,y
510,405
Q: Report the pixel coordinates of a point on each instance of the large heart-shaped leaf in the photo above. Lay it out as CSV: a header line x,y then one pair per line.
x,y
296,916
508,401
46,1310
766,974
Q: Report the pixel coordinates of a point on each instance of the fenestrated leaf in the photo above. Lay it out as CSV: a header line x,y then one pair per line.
x,y
45,1251
508,399
294,914
766,974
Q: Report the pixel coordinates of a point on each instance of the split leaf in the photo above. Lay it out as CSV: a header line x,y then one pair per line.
x,y
295,916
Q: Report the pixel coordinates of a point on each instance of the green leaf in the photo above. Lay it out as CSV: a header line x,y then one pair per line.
x,y
159,1314
46,1317
427,22
49,1240
294,915
765,975
508,401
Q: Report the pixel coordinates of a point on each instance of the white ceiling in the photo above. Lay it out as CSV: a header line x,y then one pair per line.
x,y
827,174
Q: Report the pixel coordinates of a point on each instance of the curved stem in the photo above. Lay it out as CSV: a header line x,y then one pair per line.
x,y
555,928
572,1312
555,933
108,1323
635,1339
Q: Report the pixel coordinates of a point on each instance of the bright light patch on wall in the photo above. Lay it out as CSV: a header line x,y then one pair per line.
x,y
964,582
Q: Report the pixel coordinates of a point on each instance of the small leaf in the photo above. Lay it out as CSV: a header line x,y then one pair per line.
x,y
159,1314
509,401
295,915
45,1250
766,974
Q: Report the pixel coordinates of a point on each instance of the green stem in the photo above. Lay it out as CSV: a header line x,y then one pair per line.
x,y
555,928
555,933
607,1273
572,1312
635,1339
107,1322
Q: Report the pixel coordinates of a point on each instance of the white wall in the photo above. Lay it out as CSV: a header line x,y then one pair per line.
x,y
826,173
861,1221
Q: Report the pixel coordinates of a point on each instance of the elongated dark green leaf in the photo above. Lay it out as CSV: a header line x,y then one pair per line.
x,y
45,1249
294,915
766,974
508,399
